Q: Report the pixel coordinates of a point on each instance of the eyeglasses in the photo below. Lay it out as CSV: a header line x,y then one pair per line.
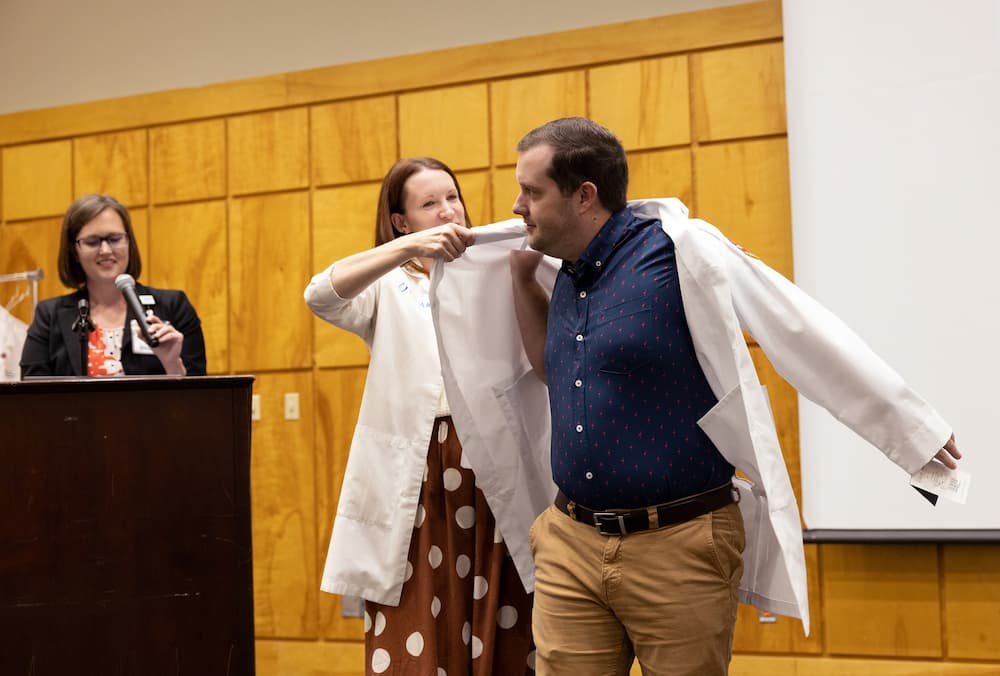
x,y
116,240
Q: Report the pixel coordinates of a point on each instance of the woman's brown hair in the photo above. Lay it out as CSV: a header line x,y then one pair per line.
x,y
392,197
79,213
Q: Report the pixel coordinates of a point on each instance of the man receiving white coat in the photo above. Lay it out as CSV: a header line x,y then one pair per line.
x,y
655,581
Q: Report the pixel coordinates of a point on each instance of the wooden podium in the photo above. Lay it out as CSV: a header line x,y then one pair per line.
x,y
125,527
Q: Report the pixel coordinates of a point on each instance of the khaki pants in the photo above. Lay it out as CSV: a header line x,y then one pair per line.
x,y
666,596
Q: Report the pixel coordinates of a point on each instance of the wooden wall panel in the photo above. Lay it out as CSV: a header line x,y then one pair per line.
x,y
644,102
30,245
343,224
739,92
504,188
519,105
742,188
338,400
284,510
353,141
881,600
268,269
675,33
752,665
112,164
36,180
662,173
477,192
451,124
308,658
282,137
140,228
188,251
188,161
972,601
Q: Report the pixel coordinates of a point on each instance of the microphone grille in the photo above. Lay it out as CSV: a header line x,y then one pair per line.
x,y
124,280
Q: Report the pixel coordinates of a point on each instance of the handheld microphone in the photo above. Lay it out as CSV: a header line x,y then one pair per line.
x,y
126,284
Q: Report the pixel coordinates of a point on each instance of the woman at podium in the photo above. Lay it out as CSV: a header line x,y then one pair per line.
x,y
98,330
413,535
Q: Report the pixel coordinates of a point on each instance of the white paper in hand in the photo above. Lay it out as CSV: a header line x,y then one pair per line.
x,y
935,478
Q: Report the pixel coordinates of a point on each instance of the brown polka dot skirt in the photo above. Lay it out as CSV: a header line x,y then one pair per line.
x,y
463,609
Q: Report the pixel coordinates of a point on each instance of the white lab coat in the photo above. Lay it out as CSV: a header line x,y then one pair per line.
x,y
385,468
500,407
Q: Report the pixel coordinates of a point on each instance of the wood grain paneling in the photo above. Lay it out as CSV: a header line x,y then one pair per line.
x,y
268,269
476,191
25,246
338,400
519,105
645,103
286,582
353,141
662,173
881,600
505,190
747,665
739,92
742,188
188,161
451,124
309,658
36,180
516,57
282,137
140,228
188,252
343,224
972,601
112,164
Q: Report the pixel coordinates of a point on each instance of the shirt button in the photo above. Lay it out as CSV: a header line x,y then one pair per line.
x,y
583,294
579,337
589,475
579,428
597,264
578,383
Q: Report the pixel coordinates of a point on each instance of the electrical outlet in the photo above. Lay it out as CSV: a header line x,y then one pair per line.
x,y
255,407
291,405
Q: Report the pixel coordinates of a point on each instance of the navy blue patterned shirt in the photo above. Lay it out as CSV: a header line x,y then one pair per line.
x,y
625,387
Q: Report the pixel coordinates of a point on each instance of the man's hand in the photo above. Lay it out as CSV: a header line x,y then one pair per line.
x,y
948,455
523,264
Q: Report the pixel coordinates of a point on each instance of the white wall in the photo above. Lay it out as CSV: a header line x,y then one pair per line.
x,y
894,150
55,52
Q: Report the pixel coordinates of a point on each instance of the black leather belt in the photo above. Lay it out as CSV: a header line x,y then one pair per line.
x,y
622,521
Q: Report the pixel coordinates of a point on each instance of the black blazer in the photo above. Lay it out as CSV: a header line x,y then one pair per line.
x,y
52,348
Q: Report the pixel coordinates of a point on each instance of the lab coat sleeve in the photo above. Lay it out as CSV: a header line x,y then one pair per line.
x,y
356,315
828,363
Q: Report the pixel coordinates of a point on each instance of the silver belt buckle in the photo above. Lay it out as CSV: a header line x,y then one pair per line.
x,y
603,519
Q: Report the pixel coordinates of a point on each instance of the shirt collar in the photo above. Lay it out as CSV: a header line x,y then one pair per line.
x,y
594,258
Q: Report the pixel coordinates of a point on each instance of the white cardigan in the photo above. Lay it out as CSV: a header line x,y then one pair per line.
x,y
500,407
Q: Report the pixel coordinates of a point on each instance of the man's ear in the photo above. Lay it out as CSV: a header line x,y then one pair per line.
x,y
588,196
399,222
